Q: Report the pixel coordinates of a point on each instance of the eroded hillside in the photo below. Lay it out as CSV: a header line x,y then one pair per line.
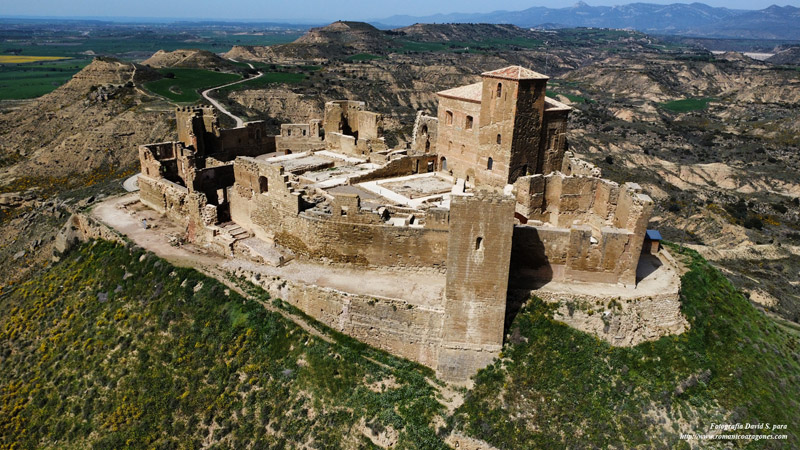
x,y
712,138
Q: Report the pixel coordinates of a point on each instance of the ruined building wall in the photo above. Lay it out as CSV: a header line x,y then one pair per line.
x,y
554,142
165,197
571,165
300,137
399,167
198,129
341,116
478,259
351,130
457,145
425,134
579,229
398,326
527,133
274,214
250,140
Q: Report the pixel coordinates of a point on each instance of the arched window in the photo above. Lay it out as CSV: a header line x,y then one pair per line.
x,y
479,243
489,164
263,185
499,89
468,125
424,130
499,139
443,164
427,146
448,118
289,132
304,132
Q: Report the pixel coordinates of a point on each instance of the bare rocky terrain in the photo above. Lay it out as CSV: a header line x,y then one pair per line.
x,y
68,145
189,58
712,138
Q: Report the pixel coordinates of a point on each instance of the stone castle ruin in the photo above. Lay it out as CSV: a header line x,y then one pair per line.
x,y
485,199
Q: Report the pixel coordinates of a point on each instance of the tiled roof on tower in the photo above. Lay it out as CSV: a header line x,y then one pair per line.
x,y
515,73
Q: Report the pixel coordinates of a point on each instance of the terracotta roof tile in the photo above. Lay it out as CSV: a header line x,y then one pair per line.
x,y
471,92
515,73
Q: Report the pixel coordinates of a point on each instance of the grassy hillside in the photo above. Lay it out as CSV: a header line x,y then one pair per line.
x,y
114,348
557,386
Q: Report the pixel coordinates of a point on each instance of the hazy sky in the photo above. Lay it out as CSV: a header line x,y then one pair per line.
x,y
306,10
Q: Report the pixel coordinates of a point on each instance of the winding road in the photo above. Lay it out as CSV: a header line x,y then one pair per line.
x,y
131,184
205,94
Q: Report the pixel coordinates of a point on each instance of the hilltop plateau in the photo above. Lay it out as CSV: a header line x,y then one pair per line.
x,y
710,137
114,347
191,58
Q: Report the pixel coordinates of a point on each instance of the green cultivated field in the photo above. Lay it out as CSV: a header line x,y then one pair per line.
x,y
129,43
734,365
363,57
687,104
185,87
19,81
144,43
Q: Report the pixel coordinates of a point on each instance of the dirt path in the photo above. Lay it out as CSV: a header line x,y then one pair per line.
x,y
207,96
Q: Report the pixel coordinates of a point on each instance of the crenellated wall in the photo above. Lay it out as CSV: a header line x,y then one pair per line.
x,y
578,229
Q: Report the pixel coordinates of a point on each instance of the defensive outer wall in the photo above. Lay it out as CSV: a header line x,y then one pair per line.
x,y
522,211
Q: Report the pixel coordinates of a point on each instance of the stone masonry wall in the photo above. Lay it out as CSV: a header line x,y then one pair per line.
x,y
478,259
274,215
459,145
426,132
397,326
605,247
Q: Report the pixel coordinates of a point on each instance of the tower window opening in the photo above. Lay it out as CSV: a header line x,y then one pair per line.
x,y
468,125
499,139
499,89
479,243
489,164
449,117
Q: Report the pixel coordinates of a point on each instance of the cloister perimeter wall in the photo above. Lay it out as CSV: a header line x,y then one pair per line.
x,y
353,239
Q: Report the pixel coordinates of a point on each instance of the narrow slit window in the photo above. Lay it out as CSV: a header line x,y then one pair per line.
x,y
499,139
449,117
489,164
468,125
479,243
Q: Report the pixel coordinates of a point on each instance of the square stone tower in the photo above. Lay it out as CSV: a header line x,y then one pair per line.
x,y
493,132
512,111
478,260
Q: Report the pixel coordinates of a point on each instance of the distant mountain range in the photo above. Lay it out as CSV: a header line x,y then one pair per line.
x,y
695,19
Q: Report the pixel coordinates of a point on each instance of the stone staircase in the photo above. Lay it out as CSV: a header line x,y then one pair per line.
x,y
234,231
